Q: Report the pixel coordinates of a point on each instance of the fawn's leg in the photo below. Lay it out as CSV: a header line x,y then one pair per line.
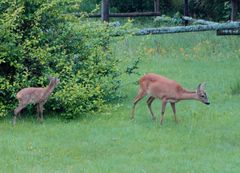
x,y
17,111
38,112
41,111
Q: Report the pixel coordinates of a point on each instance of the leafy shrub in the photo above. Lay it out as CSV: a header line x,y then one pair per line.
x,y
37,40
139,6
216,10
168,21
72,6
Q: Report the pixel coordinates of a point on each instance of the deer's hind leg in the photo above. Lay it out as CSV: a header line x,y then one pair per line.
x,y
139,97
149,103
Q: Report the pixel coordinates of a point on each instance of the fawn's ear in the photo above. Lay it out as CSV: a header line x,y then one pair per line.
x,y
57,80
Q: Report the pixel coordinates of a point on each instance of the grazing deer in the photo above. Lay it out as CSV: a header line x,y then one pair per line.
x,y
168,91
34,95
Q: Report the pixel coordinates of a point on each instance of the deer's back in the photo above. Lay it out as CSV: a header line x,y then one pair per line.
x,y
160,86
30,95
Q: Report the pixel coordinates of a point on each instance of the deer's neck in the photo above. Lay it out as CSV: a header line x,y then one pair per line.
x,y
188,95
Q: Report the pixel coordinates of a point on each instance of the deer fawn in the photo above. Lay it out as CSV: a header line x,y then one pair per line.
x,y
167,90
34,95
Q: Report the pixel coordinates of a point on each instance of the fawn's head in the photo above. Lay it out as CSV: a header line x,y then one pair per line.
x,y
53,80
202,95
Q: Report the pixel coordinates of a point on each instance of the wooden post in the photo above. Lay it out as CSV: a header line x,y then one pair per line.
x,y
105,10
186,11
234,6
156,6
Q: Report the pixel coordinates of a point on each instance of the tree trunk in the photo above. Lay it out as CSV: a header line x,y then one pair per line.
x,y
105,10
156,6
200,21
186,10
234,6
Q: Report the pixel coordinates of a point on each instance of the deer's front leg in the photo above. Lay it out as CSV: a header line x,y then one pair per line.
x,y
174,111
164,103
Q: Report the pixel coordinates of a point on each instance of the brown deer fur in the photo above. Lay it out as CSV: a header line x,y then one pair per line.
x,y
33,95
157,86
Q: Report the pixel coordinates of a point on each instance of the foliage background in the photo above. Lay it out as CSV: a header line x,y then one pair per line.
x,y
41,38
209,9
206,139
37,40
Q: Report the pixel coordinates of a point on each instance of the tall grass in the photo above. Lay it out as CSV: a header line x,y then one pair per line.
x,y
236,88
206,139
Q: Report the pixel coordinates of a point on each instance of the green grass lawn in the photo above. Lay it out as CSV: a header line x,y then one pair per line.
x,y
206,139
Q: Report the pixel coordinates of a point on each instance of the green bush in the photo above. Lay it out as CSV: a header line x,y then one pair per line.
x,y
216,10
161,21
37,40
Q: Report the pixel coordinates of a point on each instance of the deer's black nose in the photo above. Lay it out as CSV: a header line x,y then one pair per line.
x,y
207,103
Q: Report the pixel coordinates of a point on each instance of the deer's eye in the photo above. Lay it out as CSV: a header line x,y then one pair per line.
x,y
202,96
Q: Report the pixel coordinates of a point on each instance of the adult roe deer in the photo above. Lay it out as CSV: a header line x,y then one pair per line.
x,y
34,95
167,90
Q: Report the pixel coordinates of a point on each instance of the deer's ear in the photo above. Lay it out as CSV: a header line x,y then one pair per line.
x,y
202,87
199,87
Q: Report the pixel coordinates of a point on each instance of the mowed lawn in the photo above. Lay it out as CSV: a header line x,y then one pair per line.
x,y
206,139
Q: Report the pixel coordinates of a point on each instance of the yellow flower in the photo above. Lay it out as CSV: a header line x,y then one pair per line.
x,y
150,50
181,50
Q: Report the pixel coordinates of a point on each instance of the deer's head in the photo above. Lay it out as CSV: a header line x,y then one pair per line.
x,y
202,95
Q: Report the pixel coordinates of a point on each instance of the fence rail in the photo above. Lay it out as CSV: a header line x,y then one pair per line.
x,y
193,28
134,14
